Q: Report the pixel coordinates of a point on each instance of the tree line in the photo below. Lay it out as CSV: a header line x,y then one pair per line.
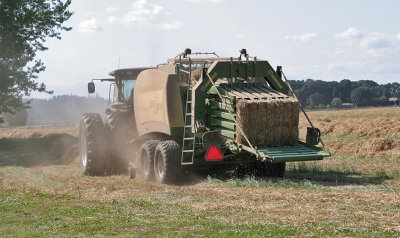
x,y
318,94
58,110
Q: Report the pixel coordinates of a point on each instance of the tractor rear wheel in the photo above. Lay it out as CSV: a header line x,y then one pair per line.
x,y
147,159
92,144
167,166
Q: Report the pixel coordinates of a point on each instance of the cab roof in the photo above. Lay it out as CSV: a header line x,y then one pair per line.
x,y
128,71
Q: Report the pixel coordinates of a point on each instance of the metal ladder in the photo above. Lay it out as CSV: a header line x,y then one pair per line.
x,y
189,138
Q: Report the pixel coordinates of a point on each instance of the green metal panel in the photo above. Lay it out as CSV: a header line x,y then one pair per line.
x,y
271,92
300,152
227,69
235,93
222,123
254,93
224,132
224,115
220,105
279,159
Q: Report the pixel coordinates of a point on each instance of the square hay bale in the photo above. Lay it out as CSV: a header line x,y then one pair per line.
x,y
268,122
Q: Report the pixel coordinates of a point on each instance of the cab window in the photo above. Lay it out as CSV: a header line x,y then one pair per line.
x,y
127,86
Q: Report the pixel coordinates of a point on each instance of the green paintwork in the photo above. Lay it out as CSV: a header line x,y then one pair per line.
x,y
219,105
223,115
224,132
300,152
224,69
226,124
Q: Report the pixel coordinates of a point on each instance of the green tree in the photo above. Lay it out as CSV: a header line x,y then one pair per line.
x,y
336,102
24,28
18,119
362,97
315,99
345,88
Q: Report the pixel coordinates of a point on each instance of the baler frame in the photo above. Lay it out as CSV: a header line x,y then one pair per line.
x,y
238,73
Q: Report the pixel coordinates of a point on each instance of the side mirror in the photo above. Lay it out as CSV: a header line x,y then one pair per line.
x,y
91,87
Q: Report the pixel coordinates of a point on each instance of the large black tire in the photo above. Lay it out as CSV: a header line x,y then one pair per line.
x,y
167,162
147,159
92,145
118,133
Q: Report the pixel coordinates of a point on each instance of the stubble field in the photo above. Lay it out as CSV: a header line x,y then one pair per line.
x,y
356,192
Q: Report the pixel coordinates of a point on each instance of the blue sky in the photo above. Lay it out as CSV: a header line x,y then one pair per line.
x,y
327,40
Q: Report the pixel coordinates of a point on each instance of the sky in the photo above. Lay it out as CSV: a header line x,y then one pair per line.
x,y
318,39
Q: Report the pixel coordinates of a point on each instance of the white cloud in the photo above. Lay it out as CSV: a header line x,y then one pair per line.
x,y
302,38
91,25
378,40
351,33
140,12
112,9
372,41
171,25
363,54
145,14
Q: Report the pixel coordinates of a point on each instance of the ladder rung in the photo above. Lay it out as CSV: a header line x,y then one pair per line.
x,y
186,163
188,126
188,114
190,138
187,151
189,101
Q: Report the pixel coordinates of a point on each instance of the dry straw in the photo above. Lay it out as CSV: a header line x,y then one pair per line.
x,y
268,122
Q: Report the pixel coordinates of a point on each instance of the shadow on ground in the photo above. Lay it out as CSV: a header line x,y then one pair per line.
x,y
52,149
338,178
311,175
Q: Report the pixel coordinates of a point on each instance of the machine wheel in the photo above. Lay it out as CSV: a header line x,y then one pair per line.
x,y
147,159
167,166
276,169
117,129
92,144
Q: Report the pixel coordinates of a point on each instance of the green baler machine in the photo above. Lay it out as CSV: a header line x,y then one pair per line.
x,y
211,119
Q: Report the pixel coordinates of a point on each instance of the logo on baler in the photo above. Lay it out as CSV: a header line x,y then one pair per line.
x,y
271,73
205,86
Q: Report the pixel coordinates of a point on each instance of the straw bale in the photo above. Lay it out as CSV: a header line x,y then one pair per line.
x,y
252,113
262,108
242,119
268,122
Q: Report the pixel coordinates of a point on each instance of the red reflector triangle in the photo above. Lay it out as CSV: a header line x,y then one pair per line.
x,y
214,153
